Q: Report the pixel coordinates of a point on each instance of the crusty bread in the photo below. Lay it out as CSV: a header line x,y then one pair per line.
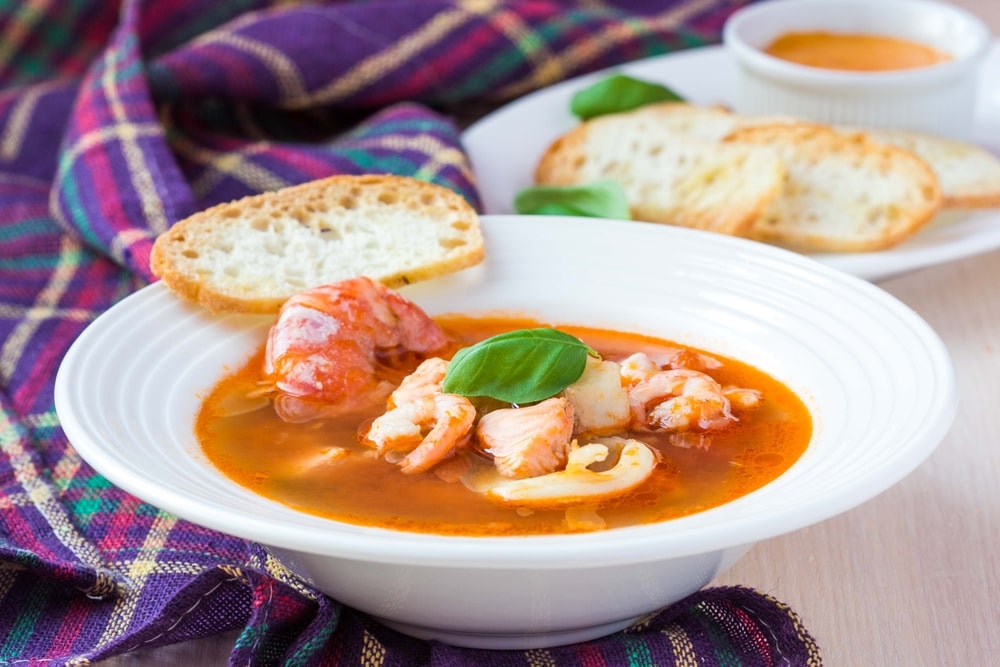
x,y
969,175
668,176
693,121
250,255
711,123
843,192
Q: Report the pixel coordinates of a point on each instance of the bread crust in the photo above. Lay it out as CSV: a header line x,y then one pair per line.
x,y
844,192
250,255
969,175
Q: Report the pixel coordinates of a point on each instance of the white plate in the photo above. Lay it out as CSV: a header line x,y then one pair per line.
x,y
505,146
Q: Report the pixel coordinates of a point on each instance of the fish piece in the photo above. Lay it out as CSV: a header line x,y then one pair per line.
x,y
577,483
600,402
528,441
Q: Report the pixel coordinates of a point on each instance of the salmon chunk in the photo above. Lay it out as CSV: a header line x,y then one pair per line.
x,y
529,441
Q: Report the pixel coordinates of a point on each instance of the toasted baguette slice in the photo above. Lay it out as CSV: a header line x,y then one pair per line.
x,y
712,123
668,176
844,192
696,122
969,175
250,255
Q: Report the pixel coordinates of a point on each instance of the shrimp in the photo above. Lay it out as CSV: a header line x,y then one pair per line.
x,y
430,428
321,354
694,361
741,398
682,400
528,441
426,380
640,366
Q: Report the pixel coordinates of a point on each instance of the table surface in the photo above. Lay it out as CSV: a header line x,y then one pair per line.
x,y
913,576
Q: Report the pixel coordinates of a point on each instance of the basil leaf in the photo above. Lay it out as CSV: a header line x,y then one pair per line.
x,y
597,199
616,93
523,366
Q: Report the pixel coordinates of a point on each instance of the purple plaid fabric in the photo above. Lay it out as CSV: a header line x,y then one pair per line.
x,y
117,120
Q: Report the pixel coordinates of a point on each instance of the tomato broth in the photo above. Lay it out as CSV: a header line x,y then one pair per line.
x,y
290,463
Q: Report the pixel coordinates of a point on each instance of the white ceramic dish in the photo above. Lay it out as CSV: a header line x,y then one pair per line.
x,y
939,98
505,146
877,380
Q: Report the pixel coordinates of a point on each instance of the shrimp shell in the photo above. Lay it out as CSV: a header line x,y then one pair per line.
x,y
321,354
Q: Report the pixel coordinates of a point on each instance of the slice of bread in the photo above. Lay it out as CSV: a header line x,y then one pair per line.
x,y
696,122
969,175
250,255
712,123
669,176
843,192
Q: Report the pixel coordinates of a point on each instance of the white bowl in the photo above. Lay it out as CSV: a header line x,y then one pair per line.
x,y
939,99
876,379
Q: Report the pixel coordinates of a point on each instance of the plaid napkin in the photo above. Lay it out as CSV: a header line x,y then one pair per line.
x,y
117,120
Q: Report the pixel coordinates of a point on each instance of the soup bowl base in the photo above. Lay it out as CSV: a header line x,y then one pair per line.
x,y
500,608
510,642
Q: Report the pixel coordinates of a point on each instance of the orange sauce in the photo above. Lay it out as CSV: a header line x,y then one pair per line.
x,y
854,52
284,461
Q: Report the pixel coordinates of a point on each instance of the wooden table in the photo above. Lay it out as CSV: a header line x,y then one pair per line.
x,y
912,577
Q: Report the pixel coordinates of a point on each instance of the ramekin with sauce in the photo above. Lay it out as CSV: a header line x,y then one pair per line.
x,y
910,64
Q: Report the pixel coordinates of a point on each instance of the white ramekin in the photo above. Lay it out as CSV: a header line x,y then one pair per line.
x,y
938,99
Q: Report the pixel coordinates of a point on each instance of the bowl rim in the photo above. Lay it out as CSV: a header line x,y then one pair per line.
x,y
588,550
753,58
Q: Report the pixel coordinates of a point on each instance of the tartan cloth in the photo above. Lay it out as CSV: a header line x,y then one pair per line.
x,y
117,120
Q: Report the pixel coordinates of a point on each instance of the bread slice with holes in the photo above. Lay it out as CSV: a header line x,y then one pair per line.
x,y
708,123
844,191
969,175
669,176
250,255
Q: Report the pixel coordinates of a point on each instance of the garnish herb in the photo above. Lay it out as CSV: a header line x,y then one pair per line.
x,y
597,199
519,367
617,93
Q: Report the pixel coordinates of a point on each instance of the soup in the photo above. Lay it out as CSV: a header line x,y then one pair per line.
x,y
853,52
324,467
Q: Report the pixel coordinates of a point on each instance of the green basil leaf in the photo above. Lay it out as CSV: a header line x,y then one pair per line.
x,y
523,366
553,209
597,199
617,93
